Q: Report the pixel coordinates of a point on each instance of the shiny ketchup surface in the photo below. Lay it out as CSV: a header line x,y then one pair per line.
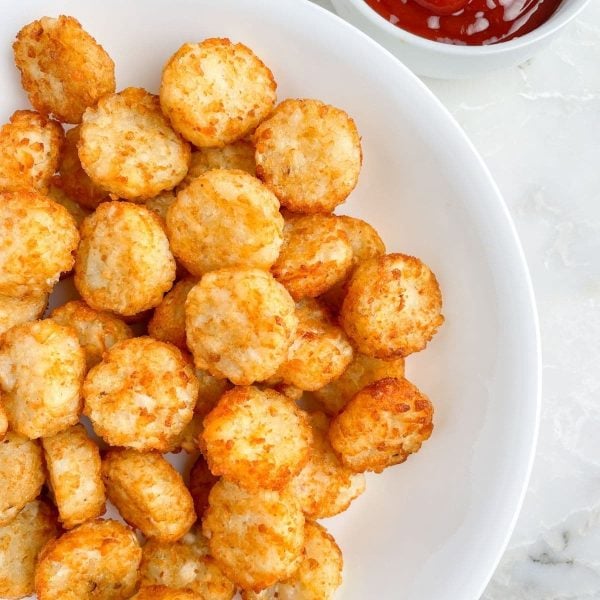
x,y
466,22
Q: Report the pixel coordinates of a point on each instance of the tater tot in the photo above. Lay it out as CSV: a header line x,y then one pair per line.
x,y
141,395
97,331
98,560
161,592
57,193
215,92
149,493
127,146
73,464
160,204
185,564
41,372
392,306
123,264
16,311
315,255
30,146
21,474
37,240
256,538
20,543
309,154
225,218
201,482
382,425
256,438
240,324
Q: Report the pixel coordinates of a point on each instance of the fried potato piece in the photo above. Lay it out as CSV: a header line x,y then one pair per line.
x,y
240,324
256,538
73,464
225,218
16,311
20,542
57,193
256,438
382,425
63,69
216,92
201,482
325,487
21,474
315,255
392,306
160,204
309,154
141,395
41,372
98,560
362,371
30,146
123,264
97,331
185,564
127,146
160,592
149,493
37,241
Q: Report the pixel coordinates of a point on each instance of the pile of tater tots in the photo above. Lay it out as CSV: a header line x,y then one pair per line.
x,y
223,310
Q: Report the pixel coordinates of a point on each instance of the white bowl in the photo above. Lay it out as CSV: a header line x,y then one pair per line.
x,y
435,527
448,61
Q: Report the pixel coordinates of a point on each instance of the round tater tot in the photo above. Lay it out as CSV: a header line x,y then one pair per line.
x,y
141,395
325,487
257,537
127,146
97,331
256,438
42,367
73,464
240,324
201,482
20,543
21,474
159,205
215,92
30,146
57,193
98,560
161,592
185,564
37,240
225,218
123,264
149,493
382,425
309,154
16,311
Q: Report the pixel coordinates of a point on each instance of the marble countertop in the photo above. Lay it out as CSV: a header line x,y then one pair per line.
x,y
547,166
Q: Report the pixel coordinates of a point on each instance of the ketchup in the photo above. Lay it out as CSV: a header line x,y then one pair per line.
x,y
475,23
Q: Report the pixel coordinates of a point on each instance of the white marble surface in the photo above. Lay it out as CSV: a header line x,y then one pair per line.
x,y
538,128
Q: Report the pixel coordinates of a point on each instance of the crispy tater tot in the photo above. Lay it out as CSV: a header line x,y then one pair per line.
x,y
149,493
15,311
382,425
392,306
215,92
141,395
325,487
41,372
20,543
127,146
225,218
30,146
240,324
256,438
315,255
97,331
185,564
257,537
160,204
63,69
201,482
73,464
57,193
37,241
21,474
124,264
98,560
309,154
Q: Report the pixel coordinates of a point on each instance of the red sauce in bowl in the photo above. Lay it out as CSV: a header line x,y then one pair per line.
x,y
477,23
